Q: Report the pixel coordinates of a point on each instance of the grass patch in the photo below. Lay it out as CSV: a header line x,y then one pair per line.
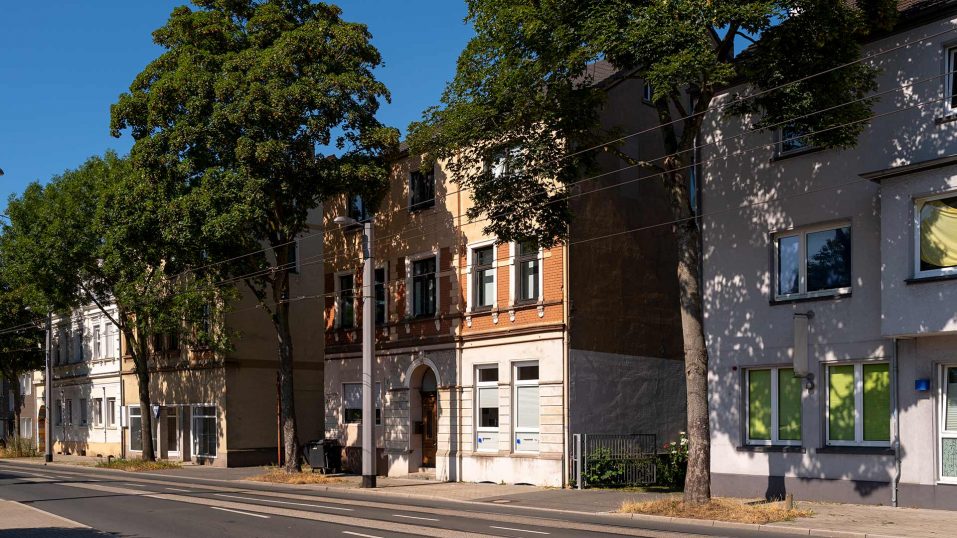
x,y
138,466
275,475
718,510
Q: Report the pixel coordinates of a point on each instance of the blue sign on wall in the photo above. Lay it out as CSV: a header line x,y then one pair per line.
x,y
922,385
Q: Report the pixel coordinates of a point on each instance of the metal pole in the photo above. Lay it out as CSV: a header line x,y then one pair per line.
x,y
368,360
48,393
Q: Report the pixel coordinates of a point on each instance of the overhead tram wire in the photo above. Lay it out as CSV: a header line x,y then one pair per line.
x,y
320,258
904,45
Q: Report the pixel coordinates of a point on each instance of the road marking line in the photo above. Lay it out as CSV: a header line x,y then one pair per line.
x,y
177,489
416,517
284,502
239,512
518,530
134,485
360,534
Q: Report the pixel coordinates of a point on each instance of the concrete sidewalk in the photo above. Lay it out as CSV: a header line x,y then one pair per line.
x,y
828,520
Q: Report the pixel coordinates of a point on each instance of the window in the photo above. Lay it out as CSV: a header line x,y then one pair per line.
x,y
421,190
352,403
774,406
347,301
358,209
936,242
292,256
858,404
83,411
506,162
205,436
26,384
80,344
527,435
528,271
380,304
423,287
948,425
110,412
486,408
136,428
69,412
814,261
97,350
647,93
791,140
483,277
951,79
97,411
59,413
26,427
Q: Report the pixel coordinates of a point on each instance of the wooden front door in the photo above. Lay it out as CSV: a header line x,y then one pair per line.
x,y
429,416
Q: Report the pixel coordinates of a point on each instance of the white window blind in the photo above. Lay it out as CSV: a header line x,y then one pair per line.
x,y
951,417
352,395
527,414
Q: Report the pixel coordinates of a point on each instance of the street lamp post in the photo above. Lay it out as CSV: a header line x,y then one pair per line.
x,y
48,392
368,352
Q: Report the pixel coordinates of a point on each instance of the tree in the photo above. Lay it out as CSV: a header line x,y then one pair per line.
x,y
245,98
21,351
522,92
121,251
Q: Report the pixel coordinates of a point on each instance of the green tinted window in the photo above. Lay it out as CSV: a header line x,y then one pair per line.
x,y
877,402
789,405
759,404
840,400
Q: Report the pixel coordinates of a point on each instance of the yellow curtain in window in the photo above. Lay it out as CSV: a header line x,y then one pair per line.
x,y
938,234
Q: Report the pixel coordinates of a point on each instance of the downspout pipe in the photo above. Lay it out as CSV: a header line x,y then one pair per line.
x,y
895,419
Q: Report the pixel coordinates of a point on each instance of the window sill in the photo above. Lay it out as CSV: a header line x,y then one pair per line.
x,y
773,448
809,299
936,278
413,209
945,119
796,153
857,450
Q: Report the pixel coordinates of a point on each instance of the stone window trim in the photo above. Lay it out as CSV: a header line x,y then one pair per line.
x,y
410,278
470,290
493,432
517,386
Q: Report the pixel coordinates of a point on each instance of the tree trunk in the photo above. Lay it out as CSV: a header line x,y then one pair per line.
x,y
17,404
287,401
146,413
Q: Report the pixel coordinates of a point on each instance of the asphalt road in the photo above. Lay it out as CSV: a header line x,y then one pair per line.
x,y
127,504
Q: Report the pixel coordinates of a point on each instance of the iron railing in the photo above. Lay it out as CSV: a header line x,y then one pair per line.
x,y
614,460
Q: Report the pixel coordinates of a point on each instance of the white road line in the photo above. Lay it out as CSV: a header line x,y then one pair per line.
x,y
239,512
517,530
415,517
134,485
284,502
360,534
182,490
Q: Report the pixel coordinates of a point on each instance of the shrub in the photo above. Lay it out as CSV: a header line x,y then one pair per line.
x,y
137,466
17,447
602,470
673,463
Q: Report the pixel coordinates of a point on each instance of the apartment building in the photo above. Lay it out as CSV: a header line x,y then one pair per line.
x,y
491,355
221,409
830,291
86,394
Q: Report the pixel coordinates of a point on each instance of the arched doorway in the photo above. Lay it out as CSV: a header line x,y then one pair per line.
x,y
423,414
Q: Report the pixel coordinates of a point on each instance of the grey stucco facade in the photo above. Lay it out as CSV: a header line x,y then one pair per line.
x,y
887,316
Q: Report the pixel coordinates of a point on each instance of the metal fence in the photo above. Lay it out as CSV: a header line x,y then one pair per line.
x,y
614,460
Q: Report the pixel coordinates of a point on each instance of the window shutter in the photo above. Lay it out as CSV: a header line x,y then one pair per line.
x,y
759,404
527,415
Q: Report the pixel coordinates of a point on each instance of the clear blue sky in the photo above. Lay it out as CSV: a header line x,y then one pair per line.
x,y
63,63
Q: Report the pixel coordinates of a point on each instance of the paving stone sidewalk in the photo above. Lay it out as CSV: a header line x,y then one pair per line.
x,y
828,519
24,521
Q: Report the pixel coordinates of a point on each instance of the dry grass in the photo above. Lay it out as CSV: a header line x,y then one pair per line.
x,y
275,475
732,510
17,447
138,466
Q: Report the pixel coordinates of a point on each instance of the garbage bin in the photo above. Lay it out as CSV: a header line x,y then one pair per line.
x,y
324,455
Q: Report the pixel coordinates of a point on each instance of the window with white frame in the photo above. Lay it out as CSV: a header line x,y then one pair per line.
x,y
506,162
136,428
773,406
647,93
486,407
812,261
936,242
97,349
948,424
527,271
791,140
347,301
110,412
858,404
352,403
527,407
951,79
26,384
423,287
26,427
205,436
97,406
483,277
